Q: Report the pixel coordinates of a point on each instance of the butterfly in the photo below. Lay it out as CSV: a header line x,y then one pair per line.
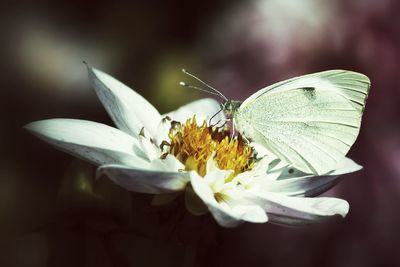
x,y
309,121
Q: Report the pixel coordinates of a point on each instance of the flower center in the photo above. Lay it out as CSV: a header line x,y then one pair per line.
x,y
193,145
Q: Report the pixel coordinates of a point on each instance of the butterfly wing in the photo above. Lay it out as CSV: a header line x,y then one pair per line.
x,y
353,85
310,121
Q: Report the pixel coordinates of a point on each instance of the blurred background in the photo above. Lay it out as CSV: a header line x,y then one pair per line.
x,y
53,213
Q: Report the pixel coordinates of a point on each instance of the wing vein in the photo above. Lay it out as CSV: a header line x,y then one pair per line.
x,y
291,148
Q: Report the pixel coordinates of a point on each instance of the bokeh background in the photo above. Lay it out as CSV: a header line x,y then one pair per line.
x,y
53,213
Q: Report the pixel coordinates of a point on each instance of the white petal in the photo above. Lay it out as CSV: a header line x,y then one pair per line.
x,y
129,110
225,214
211,165
297,183
346,166
257,176
203,109
150,150
301,186
145,181
95,142
169,164
299,210
215,177
163,131
261,150
269,163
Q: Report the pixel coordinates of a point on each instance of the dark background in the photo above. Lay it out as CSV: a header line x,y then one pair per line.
x,y
53,213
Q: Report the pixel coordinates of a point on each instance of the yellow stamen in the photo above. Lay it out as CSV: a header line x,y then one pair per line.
x,y
193,145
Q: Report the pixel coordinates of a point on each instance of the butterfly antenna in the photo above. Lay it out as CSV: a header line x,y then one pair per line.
x,y
206,84
198,88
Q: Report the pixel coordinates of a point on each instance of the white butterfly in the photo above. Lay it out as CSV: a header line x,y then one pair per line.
x,y
309,121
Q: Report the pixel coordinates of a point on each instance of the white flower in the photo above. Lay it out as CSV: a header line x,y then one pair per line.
x,y
153,153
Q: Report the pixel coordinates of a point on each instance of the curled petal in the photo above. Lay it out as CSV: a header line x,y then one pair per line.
x,y
346,166
293,211
226,214
258,175
163,129
295,183
302,186
91,141
129,110
203,109
170,163
145,181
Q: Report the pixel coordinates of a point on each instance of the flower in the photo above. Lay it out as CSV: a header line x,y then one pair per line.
x,y
180,152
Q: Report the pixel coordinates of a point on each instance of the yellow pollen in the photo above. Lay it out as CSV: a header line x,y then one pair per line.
x,y
193,145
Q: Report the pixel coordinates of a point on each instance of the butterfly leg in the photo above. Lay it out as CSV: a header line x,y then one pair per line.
x,y
212,117
245,138
223,125
233,128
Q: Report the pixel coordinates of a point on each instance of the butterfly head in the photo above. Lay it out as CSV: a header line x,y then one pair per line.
x,y
230,107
